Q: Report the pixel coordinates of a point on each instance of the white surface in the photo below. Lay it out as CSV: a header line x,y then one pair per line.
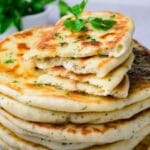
x,y
139,10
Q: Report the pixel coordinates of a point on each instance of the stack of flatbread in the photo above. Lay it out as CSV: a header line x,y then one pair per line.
x,y
61,90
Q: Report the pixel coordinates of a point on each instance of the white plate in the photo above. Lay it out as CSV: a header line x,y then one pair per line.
x,y
138,10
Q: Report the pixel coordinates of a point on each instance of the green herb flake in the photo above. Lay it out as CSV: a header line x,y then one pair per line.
x,y
15,81
37,83
84,108
109,79
63,44
91,39
112,16
59,36
9,61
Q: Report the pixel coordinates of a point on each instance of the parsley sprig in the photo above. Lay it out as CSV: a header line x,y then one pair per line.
x,y
77,24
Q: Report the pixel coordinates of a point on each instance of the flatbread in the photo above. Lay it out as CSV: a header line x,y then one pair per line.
x,y
35,138
20,47
27,112
4,146
111,80
137,137
101,134
126,144
51,98
113,42
121,91
15,142
45,140
99,65
74,82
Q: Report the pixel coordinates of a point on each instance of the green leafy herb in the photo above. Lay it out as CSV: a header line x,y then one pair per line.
x,y
74,25
15,81
78,24
91,39
103,24
77,9
84,108
11,11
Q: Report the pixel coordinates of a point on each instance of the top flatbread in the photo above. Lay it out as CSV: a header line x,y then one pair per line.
x,y
21,47
113,42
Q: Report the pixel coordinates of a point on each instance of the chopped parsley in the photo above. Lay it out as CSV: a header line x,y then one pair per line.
x,y
84,108
58,35
9,61
38,84
109,79
15,81
91,39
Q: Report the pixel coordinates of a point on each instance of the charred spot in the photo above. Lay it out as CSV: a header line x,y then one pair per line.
x,y
111,125
107,35
97,130
64,44
84,59
58,68
23,46
47,42
91,43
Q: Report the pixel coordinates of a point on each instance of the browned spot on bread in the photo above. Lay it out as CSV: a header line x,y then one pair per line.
x,y
105,61
47,41
58,26
72,130
2,43
59,68
96,130
121,84
88,43
14,87
24,34
107,35
22,46
83,60
86,131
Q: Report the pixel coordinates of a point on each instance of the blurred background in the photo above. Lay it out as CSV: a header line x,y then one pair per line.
x,y
23,14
